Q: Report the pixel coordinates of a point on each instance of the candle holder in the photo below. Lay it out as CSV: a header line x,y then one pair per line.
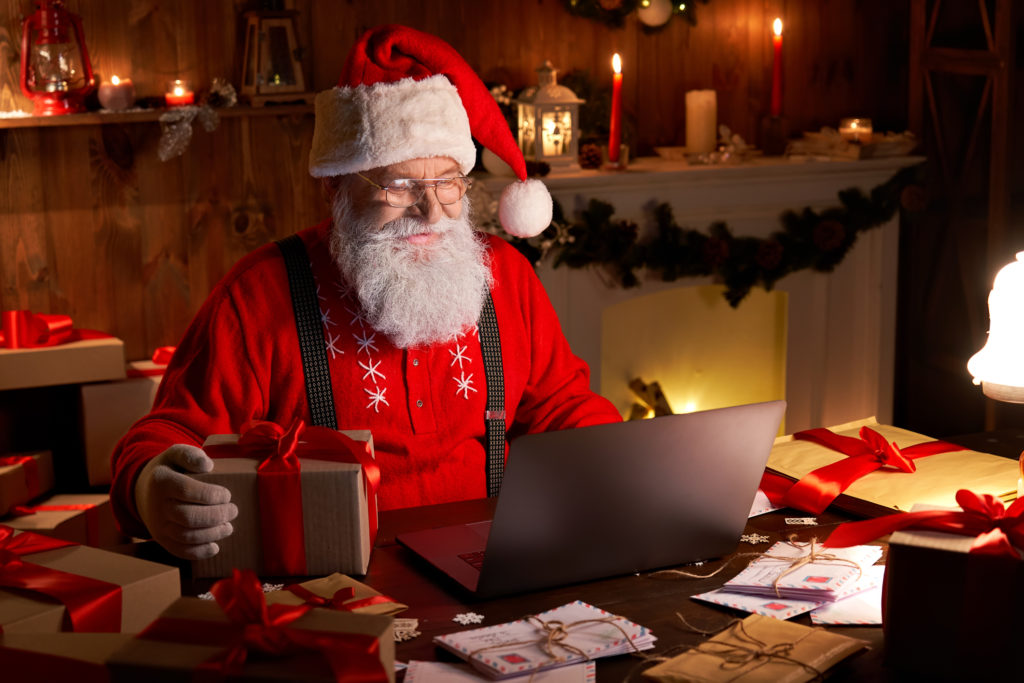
x,y
116,94
179,94
619,165
549,128
858,131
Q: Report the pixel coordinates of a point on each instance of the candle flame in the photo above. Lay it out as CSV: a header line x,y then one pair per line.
x,y
777,26
617,63
179,91
115,80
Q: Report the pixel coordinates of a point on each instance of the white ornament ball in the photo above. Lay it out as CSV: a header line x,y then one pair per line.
x,y
654,12
495,165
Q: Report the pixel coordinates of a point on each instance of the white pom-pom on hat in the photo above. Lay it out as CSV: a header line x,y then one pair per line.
x,y
525,208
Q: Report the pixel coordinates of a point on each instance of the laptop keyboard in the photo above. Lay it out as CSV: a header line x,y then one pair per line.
x,y
474,559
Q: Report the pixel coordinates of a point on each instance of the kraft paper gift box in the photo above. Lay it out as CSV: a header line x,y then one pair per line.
x,y
338,511
88,360
950,613
146,588
78,657
883,491
337,591
83,518
21,481
194,633
109,409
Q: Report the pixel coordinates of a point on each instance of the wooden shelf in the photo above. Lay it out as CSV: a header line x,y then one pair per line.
x,y
94,118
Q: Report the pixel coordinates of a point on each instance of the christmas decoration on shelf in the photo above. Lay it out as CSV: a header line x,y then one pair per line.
x,y
548,127
653,14
818,240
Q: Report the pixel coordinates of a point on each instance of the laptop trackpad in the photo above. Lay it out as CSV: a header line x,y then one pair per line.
x,y
455,550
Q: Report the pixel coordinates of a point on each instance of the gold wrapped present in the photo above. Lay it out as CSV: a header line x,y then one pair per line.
x,y
78,657
23,476
83,518
337,591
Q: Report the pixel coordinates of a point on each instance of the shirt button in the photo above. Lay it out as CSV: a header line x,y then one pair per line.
x,y
419,404
415,361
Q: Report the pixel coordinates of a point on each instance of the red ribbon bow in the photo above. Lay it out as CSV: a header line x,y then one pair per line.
x,y
817,489
343,598
92,605
29,466
279,483
255,626
25,330
998,530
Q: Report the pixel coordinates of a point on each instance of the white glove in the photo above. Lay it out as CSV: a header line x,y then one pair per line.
x,y
185,516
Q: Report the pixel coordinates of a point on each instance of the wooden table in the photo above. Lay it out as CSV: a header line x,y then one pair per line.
x,y
653,602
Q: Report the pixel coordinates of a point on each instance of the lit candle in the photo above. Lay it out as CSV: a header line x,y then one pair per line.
x,y
776,109
856,130
178,94
701,121
116,94
615,134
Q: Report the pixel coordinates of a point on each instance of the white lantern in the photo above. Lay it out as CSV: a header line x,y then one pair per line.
x,y
999,366
549,128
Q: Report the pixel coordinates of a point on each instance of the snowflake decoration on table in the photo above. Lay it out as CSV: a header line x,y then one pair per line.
x,y
754,539
376,398
371,370
467,618
465,385
802,521
267,588
458,355
365,342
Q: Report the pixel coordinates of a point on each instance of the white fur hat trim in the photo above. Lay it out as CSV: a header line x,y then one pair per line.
x,y
525,208
364,127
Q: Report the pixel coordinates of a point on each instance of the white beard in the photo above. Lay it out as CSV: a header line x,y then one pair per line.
x,y
415,294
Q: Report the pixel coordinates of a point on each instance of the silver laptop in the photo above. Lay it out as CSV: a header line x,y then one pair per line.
x,y
606,500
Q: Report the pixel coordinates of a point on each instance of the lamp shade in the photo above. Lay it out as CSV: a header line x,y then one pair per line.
x,y
999,365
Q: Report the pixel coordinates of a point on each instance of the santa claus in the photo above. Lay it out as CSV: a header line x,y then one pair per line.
x,y
393,316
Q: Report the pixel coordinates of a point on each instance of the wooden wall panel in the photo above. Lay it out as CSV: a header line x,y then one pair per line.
x,y
93,224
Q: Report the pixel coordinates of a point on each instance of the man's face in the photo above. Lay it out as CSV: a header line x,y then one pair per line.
x,y
420,272
372,201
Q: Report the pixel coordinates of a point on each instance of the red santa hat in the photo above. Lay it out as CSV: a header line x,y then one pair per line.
x,y
403,95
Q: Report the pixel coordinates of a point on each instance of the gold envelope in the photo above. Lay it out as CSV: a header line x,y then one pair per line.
x,y
936,481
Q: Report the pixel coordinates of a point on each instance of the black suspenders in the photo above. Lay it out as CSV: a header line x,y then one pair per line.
x,y
317,371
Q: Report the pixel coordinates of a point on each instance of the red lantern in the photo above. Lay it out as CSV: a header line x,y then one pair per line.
x,y
55,68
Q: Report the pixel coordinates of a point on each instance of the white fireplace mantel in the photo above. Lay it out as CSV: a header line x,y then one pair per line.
x,y
841,325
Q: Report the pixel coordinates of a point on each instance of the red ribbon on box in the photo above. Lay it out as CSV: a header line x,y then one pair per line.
x,y
92,516
343,598
161,357
257,627
30,468
93,605
25,330
817,489
998,530
278,479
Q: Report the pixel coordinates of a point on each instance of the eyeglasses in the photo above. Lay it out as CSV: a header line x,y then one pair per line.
x,y
402,193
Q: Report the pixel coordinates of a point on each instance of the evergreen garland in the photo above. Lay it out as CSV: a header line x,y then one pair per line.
x,y
807,239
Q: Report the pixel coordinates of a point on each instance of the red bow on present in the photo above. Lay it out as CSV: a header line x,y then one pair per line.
x,y
343,598
161,357
255,626
998,530
817,489
25,330
279,480
29,466
92,605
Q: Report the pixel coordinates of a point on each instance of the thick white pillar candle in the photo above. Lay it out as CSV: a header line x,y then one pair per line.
x,y
701,121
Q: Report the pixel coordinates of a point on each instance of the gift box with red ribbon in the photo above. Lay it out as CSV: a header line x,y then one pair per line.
x,y
337,591
49,585
871,469
78,657
83,518
306,496
109,409
954,586
24,476
238,636
38,349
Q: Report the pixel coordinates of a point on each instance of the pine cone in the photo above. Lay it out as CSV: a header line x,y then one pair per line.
x,y
590,156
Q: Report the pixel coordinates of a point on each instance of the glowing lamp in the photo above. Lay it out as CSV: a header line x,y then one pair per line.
x,y
548,117
55,69
999,366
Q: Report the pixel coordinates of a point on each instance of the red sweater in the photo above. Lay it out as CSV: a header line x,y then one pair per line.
x,y
239,361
